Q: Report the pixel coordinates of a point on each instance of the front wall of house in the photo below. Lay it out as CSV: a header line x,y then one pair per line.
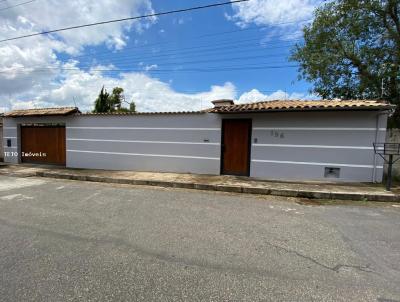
x,y
11,131
290,146
187,143
1,139
300,146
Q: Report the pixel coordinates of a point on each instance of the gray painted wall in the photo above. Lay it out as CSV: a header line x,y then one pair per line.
x,y
187,143
1,139
11,131
287,145
300,145
393,136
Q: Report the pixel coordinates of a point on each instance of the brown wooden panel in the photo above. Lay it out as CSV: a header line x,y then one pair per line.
x,y
43,145
236,147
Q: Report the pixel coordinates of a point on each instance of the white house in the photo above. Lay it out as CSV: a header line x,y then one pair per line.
x,y
292,140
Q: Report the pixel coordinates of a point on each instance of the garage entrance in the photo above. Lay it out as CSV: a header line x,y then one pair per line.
x,y
43,144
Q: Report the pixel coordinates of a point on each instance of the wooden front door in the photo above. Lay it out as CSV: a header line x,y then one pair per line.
x,y
43,144
236,138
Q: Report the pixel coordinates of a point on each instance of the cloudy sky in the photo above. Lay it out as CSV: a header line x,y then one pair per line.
x,y
170,63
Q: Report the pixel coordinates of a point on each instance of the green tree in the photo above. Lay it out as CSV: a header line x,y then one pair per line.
x,y
112,103
116,99
132,107
352,50
102,104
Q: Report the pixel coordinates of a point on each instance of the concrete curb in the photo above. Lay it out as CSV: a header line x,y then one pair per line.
x,y
228,188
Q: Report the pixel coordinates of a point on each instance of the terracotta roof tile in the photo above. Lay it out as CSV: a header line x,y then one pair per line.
x,y
42,112
300,105
141,113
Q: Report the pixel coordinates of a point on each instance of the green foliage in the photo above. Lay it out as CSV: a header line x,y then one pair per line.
x,y
101,104
132,107
116,99
351,48
112,103
123,109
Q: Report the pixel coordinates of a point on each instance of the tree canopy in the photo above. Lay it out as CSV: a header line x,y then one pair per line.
x,y
106,102
101,104
352,50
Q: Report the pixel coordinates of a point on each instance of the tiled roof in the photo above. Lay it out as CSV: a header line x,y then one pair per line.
x,y
302,106
141,113
238,108
42,112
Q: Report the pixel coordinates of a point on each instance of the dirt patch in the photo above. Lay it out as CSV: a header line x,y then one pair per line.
x,y
309,202
337,202
333,202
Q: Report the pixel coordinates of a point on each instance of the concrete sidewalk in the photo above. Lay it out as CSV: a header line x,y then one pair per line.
x,y
315,190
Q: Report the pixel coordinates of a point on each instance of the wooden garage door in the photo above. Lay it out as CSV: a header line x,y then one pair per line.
x,y
236,136
43,144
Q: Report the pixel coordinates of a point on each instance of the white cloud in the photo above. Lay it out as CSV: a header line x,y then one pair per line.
x,y
150,67
19,76
181,20
288,16
148,93
256,96
58,14
60,83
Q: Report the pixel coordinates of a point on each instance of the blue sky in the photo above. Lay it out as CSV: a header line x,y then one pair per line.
x,y
174,62
185,31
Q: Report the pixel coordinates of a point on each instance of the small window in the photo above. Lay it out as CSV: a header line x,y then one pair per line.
x,y
332,172
9,142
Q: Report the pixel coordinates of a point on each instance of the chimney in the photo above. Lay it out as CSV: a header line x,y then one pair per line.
x,y
221,103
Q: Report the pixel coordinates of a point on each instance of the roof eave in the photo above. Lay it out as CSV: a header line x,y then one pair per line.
x,y
305,110
140,113
71,112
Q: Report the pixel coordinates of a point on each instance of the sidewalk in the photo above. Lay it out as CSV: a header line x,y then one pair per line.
x,y
317,190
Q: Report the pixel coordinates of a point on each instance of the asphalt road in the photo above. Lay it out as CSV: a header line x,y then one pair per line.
x,y
78,241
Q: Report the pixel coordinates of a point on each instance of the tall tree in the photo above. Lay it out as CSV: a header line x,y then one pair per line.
x,y
116,99
112,103
102,104
352,50
132,106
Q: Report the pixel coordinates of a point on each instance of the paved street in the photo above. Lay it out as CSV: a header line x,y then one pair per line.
x,y
79,241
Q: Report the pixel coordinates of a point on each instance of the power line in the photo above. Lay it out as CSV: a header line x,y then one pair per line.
x,y
132,91
175,51
165,61
19,4
222,47
174,63
126,19
176,56
210,69
202,36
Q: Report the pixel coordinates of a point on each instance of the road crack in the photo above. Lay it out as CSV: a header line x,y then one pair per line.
x,y
336,268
